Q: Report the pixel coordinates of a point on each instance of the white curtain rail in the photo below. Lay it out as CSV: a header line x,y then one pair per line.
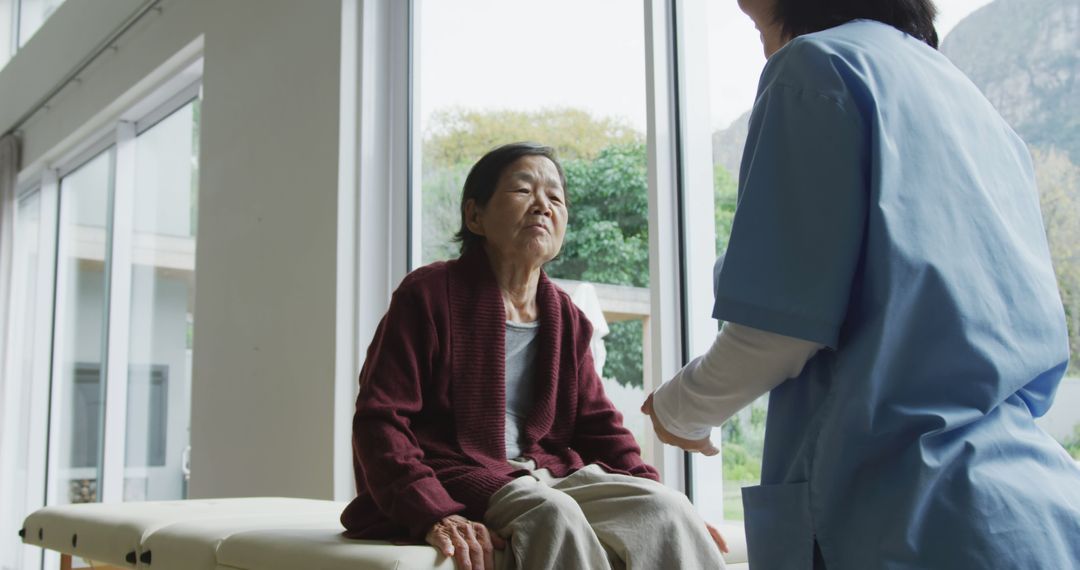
x,y
103,46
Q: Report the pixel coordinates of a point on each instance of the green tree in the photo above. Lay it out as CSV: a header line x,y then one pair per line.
x,y
1059,196
732,431
608,240
725,197
608,236
739,464
744,437
456,138
441,210
624,353
1072,444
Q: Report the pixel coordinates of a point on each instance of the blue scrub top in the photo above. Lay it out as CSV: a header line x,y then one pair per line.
x,y
887,211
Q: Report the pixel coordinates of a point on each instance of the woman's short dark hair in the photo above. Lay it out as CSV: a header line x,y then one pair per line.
x,y
484,175
915,17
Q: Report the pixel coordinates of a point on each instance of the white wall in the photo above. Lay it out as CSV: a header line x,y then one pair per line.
x,y
262,393
262,408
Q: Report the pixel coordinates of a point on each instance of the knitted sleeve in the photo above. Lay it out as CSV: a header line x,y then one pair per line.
x,y
384,447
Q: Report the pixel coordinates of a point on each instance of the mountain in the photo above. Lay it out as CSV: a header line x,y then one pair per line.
x,y
727,144
1025,57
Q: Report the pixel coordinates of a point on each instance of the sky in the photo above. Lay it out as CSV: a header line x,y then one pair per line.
x,y
590,54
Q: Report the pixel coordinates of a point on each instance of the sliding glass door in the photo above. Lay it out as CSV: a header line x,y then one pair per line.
x,y
78,386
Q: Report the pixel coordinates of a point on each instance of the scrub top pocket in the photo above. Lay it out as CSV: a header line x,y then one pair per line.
x,y
779,531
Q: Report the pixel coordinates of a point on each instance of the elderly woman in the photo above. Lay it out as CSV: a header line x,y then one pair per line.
x,y
480,407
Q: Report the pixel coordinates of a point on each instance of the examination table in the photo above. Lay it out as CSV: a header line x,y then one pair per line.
x,y
235,534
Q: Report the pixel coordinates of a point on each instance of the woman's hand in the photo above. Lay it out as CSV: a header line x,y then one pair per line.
x,y
703,446
470,544
717,538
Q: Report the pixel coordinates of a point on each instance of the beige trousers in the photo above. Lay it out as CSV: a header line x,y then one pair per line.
x,y
597,520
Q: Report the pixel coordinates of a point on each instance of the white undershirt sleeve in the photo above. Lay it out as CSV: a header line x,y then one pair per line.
x,y
742,364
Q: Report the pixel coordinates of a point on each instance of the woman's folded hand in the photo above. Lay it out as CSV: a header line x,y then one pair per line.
x,y
717,538
470,544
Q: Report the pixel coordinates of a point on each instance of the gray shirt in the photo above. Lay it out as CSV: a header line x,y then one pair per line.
x,y
520,358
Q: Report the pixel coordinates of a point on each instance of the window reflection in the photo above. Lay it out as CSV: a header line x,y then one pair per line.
x,y
80,333
162,308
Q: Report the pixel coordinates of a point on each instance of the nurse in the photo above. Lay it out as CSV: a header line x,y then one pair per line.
x,y
888,279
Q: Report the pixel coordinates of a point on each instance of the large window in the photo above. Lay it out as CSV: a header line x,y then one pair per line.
x,y
583,93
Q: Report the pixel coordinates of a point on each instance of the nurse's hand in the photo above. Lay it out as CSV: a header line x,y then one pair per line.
x,y
703,446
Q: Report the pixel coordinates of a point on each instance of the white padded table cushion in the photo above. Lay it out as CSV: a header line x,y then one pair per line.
x,y
193,545
735,535
239,534
323,548
112,533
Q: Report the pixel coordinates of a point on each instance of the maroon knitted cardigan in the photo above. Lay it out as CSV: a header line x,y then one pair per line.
x,y
429,435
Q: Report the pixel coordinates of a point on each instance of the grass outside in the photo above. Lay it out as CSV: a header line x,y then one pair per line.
x,y
733,507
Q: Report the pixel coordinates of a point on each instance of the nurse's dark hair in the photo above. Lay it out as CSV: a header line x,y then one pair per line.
x,y
915,17
484,176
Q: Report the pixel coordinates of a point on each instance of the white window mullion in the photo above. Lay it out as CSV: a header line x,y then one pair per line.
x,y
49,350
346,351
698,208
373,200
405,55
50,192
698,214
665,326
119,309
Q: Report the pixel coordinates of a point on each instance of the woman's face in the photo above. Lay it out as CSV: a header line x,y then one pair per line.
x,y
762,13
525,219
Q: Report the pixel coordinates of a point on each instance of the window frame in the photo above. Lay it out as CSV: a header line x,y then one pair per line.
x,y
697,214
373,197
381,65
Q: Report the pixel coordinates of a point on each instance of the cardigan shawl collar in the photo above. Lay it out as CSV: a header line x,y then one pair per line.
x,y
478,320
